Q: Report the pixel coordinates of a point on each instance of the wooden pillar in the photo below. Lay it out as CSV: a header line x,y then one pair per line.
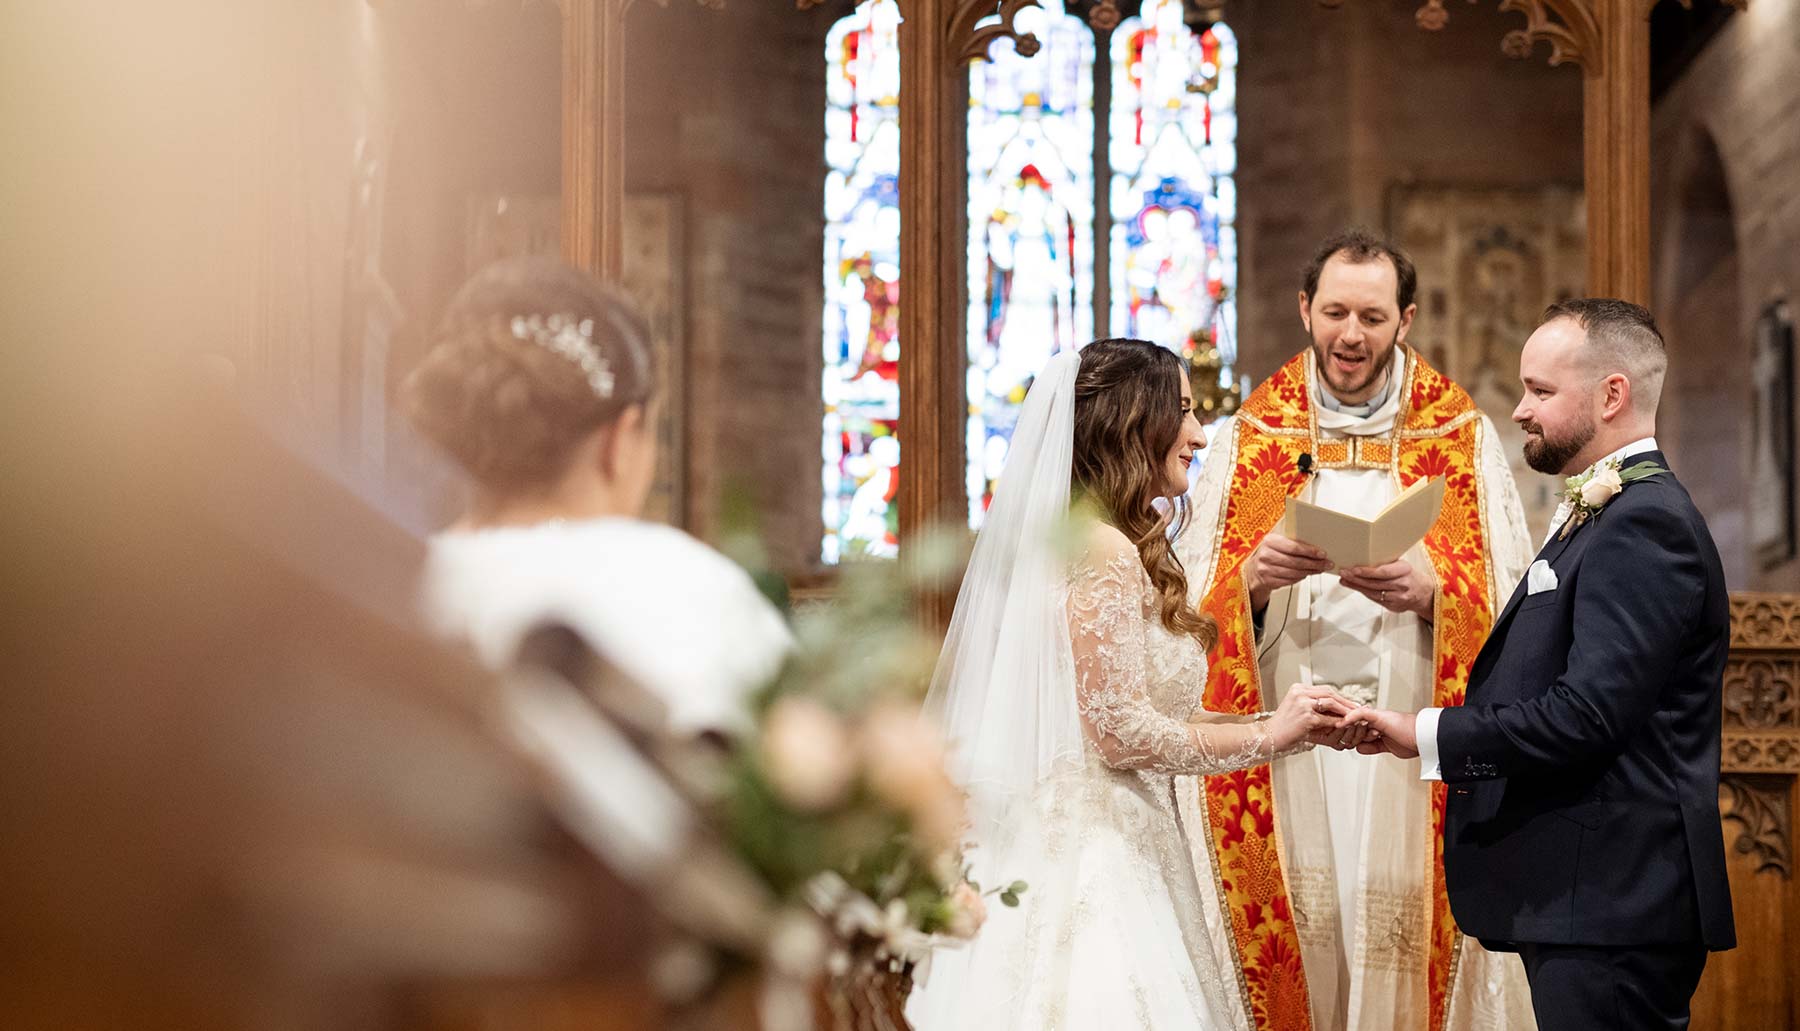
x,y
593,135
938,39
933,114
1616,150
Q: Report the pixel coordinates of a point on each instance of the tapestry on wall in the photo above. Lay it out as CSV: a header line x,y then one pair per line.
x,y
1490,259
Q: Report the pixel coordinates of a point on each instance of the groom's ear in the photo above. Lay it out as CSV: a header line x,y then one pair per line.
x,y
1616,396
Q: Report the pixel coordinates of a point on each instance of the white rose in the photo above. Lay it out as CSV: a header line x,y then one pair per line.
x,y
1600,488
806,750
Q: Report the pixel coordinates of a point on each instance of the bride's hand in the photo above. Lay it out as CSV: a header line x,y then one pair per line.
x,y
1311,714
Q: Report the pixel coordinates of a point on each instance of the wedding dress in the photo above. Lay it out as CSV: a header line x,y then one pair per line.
x,y
1070,711
678,617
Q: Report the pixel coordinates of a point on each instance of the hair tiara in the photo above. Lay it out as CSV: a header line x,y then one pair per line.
x,y
571,338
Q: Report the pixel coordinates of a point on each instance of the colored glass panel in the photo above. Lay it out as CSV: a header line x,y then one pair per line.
x,y
1031,228
861,447
1174,197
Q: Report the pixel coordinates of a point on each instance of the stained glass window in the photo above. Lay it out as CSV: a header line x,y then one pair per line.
x,y
862,282
1155,172
1173,152
1031,228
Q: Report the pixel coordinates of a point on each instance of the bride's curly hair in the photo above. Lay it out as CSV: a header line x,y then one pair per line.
x,y
1127,416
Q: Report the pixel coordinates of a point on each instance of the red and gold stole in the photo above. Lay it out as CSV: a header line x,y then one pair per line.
x,y
1437,433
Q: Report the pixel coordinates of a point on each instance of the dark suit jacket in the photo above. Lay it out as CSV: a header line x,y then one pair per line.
x,y
1583,770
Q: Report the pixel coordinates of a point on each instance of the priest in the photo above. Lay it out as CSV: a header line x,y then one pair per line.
x,y
1328,894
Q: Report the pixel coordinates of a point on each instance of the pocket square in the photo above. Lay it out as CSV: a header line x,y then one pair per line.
x,y
1540,578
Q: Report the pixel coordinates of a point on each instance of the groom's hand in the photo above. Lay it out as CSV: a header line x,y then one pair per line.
x,y
1334,707
1396,732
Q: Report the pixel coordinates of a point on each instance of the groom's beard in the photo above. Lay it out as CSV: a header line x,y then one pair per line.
x,y
1548,454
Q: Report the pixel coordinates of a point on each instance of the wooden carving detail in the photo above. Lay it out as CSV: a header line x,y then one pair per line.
x,y
1759,692
1761,726
1433,16
1760,808
1759,753
1105,15
968,40
1765,620
1569,26
1573,34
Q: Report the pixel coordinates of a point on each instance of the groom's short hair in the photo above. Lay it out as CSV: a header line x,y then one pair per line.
x,y
1621,337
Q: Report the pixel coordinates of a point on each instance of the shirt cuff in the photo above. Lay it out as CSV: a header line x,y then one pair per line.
x,y
1426,731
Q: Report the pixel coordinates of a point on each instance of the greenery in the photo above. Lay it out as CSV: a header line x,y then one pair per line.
x,y
841,782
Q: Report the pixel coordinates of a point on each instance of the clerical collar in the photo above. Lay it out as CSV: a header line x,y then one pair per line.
x,y
1361,411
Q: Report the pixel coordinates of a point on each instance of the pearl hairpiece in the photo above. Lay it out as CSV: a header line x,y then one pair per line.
x,y
572,339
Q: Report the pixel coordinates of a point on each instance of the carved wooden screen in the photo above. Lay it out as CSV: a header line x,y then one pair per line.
x,y
1755,984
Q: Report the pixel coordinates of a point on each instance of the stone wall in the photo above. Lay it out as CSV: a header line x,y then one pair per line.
x,y
1726,244
727,112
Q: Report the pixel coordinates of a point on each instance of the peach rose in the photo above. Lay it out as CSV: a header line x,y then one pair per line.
x,y
971,911
806,750
904,757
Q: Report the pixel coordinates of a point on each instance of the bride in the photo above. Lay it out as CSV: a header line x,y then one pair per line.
x,y
1069,687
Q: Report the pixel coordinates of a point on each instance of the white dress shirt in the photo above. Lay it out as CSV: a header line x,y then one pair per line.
x,y
1426,728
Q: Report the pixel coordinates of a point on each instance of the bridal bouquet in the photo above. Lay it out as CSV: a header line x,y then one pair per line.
x,y
837,797
840,797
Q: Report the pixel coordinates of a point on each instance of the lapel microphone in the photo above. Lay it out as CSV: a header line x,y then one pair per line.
x,y
1305,463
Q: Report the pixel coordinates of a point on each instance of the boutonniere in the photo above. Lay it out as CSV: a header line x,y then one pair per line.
x,y
1589,492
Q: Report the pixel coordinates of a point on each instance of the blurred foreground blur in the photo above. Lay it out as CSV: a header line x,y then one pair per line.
x,y
240,790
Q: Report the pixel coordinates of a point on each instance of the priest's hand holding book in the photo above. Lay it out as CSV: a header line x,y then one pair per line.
x,y
1397,586
1280,562
1368,554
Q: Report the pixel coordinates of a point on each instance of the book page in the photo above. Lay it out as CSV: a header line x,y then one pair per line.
x,y
1353,541
1343,538
1405,521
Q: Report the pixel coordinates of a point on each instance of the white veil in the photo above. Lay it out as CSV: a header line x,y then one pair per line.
x,y
1005,695
1004,688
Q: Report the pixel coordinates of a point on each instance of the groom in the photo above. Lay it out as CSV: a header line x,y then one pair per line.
x,y
1583,819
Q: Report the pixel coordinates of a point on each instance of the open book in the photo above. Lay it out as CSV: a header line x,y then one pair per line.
x,y
1353,541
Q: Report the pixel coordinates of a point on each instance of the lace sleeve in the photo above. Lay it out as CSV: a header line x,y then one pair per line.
x,y
1109,623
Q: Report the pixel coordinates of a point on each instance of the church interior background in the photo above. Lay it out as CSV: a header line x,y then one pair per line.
x,y
295,189
377,152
